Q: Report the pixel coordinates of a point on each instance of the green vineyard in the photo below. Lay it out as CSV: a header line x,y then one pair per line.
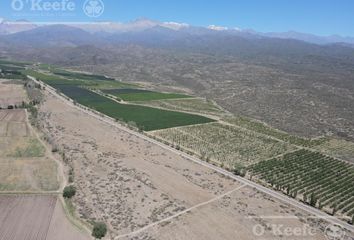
x,y
319,180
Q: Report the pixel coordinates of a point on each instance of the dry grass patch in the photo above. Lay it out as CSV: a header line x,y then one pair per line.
x,y
228,145
11,94
195,105
338,148
23,162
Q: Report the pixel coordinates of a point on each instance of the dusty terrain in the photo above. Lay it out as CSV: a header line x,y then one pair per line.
x,y
233,217
11,94
61,228
35,217
146,192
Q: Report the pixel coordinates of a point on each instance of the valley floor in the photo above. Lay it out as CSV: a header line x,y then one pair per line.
x,y
143,191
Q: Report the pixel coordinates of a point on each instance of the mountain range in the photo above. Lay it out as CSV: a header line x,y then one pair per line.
x,y
143,24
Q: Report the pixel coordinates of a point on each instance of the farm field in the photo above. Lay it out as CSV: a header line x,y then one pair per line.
x,y
35,217
129,183
194,105
260,127
338,148
23,159
81,76
92,83
225,144
131,95
11,70
25,217
310,175
145,118
11,94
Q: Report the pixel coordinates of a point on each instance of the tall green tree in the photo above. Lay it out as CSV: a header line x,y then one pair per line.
x,y
69,191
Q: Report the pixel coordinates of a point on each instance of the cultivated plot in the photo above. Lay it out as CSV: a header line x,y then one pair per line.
x,y
25,217
11,94
262,128
338,148
319,180
225,144
130,95
35,217
23,159
194,105
145,118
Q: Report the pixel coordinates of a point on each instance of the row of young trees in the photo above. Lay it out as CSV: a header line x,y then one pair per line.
x,y
316,179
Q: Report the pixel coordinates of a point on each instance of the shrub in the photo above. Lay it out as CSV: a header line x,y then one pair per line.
x,y
69,191
99,230
313,200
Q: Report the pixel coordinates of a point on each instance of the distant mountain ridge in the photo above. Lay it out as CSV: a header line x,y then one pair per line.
x,y
10,27
143,24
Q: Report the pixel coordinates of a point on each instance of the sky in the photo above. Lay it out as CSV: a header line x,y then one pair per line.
x,y
321,17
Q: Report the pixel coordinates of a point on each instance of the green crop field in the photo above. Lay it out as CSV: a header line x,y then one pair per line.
x,y
83,76
7,62
320,180
11,71
131,95
145,118
93,84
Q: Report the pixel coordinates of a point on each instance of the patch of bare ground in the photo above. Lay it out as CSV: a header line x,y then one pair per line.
x,y
35,217
61,228
134,185
245,214
25,217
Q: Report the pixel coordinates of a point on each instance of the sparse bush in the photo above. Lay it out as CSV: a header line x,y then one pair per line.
x,y
99,230
69,191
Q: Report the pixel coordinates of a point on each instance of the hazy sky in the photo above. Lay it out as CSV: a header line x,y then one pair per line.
x,y
322,17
